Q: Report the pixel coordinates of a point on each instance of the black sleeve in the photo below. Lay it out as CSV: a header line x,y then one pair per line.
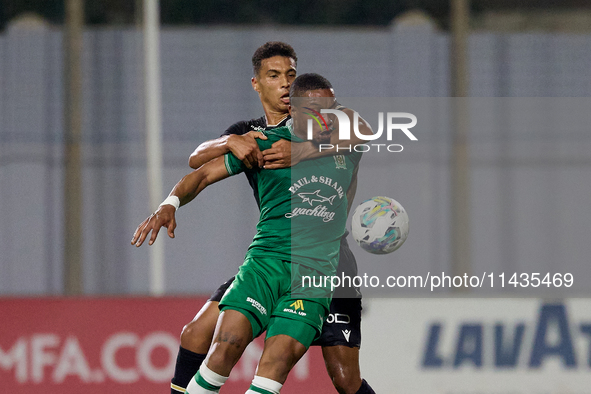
x,y
238,128
244,126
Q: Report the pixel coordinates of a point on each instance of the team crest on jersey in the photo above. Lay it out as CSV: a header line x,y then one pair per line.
x,y
340,162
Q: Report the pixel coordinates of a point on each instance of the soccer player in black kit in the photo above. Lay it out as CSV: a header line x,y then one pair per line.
x,y
274,65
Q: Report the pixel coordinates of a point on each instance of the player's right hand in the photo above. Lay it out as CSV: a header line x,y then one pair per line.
x,y
163,217
246,149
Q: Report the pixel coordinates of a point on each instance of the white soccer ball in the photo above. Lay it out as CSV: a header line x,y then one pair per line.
x,y
379,225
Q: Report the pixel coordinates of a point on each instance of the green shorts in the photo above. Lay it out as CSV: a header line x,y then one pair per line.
x,y
262,292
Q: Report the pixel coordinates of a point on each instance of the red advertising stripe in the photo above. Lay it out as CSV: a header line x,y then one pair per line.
x,y
101,345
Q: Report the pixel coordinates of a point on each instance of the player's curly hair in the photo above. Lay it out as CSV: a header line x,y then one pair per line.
x,y
270,49
306,82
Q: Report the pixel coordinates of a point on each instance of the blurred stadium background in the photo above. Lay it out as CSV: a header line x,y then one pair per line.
x,y
74,184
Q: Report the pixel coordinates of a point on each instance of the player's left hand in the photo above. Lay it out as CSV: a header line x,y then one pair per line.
x,y
282,154
163,217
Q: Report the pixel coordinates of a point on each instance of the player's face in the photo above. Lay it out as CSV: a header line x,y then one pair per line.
x,y
309,107
273,82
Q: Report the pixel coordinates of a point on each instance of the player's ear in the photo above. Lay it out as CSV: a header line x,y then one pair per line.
x,y
255,85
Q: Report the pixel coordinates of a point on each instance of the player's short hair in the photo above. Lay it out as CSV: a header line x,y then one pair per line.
x,y
270,49
306,82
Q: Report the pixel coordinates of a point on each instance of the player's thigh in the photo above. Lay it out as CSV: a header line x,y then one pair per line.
x,y
196,336
260,282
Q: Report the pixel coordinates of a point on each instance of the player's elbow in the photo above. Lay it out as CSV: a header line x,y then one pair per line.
x,y
199,156
194,161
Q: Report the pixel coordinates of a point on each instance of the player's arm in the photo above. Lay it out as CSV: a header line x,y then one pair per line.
x,y
284,154
243,146
183,192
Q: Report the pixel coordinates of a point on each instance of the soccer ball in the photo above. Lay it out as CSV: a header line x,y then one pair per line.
x,y
379,225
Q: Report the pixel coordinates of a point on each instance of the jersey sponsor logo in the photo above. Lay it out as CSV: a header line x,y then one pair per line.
x,y
319,210
311,197
299,304
347,334
257,305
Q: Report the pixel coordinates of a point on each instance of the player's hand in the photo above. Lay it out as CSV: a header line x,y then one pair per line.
x,y
282,154
246,149
163,217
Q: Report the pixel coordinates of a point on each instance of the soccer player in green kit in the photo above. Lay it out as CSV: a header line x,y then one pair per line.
x,y
274,66
303,216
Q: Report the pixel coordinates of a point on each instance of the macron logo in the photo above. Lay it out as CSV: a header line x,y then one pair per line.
x,y
347,334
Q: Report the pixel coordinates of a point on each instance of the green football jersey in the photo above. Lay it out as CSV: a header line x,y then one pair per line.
x,y
303,208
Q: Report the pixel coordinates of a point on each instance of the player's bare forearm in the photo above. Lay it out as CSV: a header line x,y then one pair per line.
x,y
185,190
284,154
244,147
208,151
192,184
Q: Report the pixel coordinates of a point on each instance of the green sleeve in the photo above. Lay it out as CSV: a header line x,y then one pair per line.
x,y
233,165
